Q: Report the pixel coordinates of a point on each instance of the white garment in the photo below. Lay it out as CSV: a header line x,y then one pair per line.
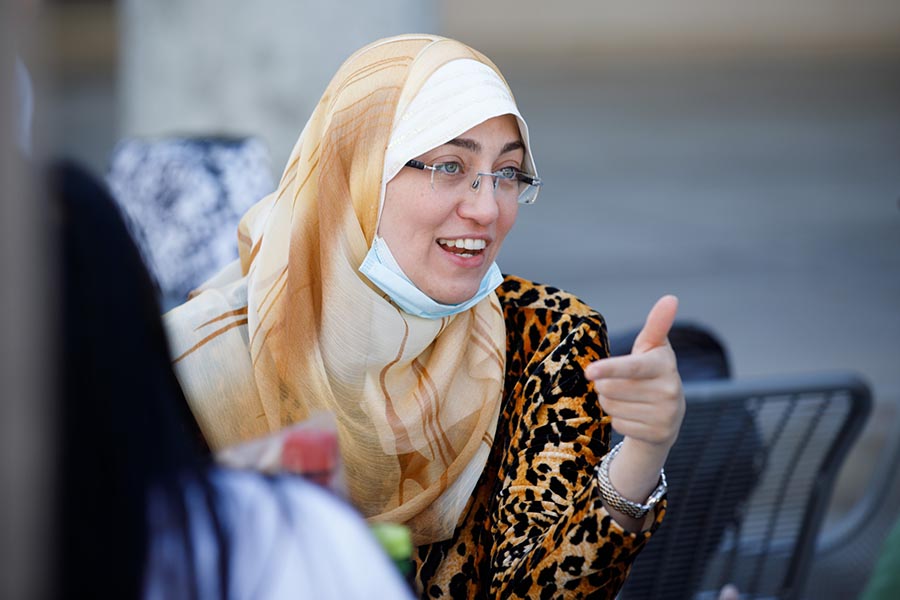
x,y
286,539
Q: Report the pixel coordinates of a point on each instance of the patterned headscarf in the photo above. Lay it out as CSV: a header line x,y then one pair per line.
x,y
293,328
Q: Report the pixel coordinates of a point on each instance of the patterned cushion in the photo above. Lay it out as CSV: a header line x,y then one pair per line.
x,y
183,198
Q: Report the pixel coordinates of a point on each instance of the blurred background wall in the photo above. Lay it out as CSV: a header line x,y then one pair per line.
x,y
586,30
745,156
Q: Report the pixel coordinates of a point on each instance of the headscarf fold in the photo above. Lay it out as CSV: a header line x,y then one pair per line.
x,y
297,329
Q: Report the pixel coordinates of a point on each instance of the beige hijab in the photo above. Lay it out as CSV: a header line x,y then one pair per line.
x,y
293,328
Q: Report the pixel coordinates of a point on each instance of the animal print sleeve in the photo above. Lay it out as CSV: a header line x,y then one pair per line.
x,y
552,535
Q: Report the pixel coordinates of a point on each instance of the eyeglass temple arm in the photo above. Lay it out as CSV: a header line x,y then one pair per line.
x,y
525,177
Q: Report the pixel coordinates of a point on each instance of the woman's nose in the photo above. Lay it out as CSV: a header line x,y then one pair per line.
x,y
478,202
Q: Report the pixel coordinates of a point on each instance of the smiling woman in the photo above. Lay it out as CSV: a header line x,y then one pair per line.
x,y
465,401
445,236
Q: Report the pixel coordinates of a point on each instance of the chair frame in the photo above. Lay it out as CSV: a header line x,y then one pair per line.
x,y
800,549
860,409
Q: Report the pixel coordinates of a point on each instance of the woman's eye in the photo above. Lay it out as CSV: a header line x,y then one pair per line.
x,y
449,168
508,172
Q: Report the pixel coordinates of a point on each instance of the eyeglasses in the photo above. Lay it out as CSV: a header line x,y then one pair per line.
x,y
509,182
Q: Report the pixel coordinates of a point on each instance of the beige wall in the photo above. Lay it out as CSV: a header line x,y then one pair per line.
x,y
674,28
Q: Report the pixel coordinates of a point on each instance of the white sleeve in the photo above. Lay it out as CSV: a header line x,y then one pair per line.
x,y
286,538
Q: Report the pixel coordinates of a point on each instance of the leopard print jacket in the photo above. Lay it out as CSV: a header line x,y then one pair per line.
x,y
534,526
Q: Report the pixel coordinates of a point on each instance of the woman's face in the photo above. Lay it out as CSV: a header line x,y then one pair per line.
x,y
424,227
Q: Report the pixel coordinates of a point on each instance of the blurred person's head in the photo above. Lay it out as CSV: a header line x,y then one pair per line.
x,y
125,428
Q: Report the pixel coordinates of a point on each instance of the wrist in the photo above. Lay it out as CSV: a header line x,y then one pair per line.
x,y
625,503
645,456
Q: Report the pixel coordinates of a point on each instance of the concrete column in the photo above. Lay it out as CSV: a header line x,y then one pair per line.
x,y
27,369
238,68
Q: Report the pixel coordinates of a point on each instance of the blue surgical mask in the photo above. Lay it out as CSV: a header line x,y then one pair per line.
x,y
382,269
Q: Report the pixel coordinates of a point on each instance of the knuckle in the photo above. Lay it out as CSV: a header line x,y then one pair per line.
x,y
669,387
605,404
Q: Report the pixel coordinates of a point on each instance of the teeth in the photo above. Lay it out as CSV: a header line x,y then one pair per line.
x,y
464,243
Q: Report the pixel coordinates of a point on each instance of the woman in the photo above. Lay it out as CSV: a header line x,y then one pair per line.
x,y
366,286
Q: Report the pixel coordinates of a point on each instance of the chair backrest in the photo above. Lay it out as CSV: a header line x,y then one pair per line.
x,y
182,198
849,547
750,478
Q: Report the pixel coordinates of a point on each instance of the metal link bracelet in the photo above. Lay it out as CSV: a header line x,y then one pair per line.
x,y
615,500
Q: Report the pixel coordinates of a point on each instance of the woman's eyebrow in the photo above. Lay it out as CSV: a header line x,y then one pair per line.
x,y
466,143
473,146
516,145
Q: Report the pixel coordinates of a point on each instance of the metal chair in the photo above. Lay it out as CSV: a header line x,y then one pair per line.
x,y
750,478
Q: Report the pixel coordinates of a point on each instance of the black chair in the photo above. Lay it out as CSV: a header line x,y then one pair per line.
x,y
750,477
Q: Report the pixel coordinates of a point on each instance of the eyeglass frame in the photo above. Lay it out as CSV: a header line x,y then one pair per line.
x,y
531,180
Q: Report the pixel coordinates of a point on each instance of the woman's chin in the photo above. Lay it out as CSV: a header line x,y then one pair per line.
x,y
454,296
449,286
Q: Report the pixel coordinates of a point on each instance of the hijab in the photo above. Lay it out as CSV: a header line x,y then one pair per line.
x,y
293,328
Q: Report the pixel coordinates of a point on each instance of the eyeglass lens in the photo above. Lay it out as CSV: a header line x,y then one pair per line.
x,y
505,185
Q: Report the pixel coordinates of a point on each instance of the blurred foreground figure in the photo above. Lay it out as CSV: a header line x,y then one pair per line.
x,y
143,512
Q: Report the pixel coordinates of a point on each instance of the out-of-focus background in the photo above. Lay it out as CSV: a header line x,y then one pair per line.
x,y
742,155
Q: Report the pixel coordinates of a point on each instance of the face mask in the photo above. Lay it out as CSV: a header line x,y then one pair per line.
x,y
382,269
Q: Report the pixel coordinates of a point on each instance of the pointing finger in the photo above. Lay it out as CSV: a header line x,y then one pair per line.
x,y
633,366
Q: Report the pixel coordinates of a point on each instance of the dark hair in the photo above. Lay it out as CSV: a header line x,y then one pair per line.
x,y
125,425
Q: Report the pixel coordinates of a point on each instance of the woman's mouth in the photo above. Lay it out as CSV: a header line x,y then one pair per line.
x,y
463,247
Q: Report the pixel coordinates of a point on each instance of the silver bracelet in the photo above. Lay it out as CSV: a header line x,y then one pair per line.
x,y
613,499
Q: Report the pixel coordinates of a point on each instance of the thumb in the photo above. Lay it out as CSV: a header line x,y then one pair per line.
x,y
656,328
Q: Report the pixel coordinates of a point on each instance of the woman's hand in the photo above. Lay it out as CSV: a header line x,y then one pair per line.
x,y
642,394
